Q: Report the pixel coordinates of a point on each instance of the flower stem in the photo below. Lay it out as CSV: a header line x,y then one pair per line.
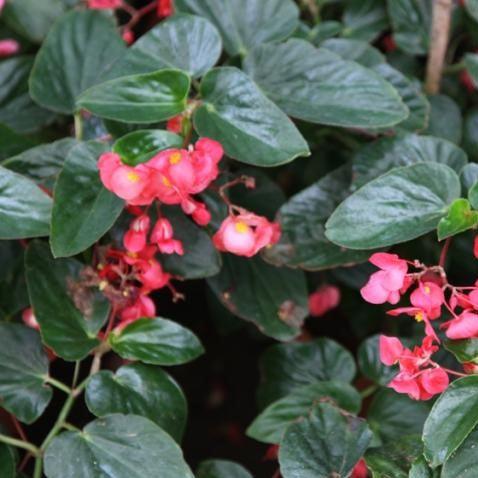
x,y
444,252
38,467
78,126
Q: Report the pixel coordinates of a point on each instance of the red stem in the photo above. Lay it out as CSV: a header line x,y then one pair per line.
x,y
444,252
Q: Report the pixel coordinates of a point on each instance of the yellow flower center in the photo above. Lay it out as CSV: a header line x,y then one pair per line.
x,y
419,317
166,182
427,289
133,177
174,158
242,227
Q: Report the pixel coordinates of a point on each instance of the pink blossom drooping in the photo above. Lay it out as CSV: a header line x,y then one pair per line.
x,y
324,299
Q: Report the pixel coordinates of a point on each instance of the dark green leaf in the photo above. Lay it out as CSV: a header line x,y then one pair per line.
x,y
186,42
364,19
462,463
156,341
243,24
140,146
370,364
284,367
77,54
452,418
471,65
275,299
320,87
12,143
120,446
303,243
83,210
42,163
470,134
399,206
69,332
23,370
8,466
420,469
142,98
473,196
139,389
381,156
325,444
459,218
464,350
445,119
24,208
221,469
271,424
250,127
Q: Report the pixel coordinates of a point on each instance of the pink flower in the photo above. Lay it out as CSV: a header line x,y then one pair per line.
x,y
29,319
151,275
197,210
162,235
323,300
384,285
2,4
135,238
465,326
246,234
360,469
128,37
142,307
8,47
391,350
165,8
104,4
428,297
475,247
419,315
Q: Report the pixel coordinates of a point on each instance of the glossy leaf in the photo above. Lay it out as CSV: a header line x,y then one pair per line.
x,y
23,370
368,357
271,424
83,210
452,418
185,42
140,146
465,350
354,50
156,341
459,218
221,469
68,331
285,367
123,446
463,462
24,208
145,98
274,299
250,127
303,243
324,444
78,53
364,20
139,389
244,24
320,87
399,206
42,163
382,155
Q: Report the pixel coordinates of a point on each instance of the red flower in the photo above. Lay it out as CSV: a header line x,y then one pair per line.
x,y
464,326
128,37
8,47
104,4
162,236
391,349
175,124
142,307
323,300
428,297
136,237
360,469
165,8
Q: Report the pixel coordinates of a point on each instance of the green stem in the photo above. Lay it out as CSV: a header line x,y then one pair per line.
x,y
366,392
78,126
455,68
76,373
59,385
19,444
38,468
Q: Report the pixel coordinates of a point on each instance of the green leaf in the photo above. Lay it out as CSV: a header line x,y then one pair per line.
x,y
325,444
185,42
469,175
399,206
303,243
17,109
464,350
285,367
411,20
395,458
140,146
145,98
472,8
221,469
123,446
42,163
459,218
364,19
156,341
23,369
354,50
420,469
201,259
24,208
243,24
30,18
318,86
8,465
68,331
274,299
392,415
368,357
13,143
381,156
83,210
452,418
463,462
139,389
470,134
445,119
471,65
78,53
250,127
271,424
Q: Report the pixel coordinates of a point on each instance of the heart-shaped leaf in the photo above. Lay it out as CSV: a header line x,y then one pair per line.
x,y
83,210
156,341
399,206
123,446
145,98
250,127
459,218
139,389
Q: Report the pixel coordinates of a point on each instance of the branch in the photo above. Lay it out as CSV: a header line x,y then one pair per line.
x,y
438,44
